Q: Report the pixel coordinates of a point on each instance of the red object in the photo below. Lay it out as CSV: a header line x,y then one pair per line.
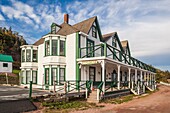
x,y
66,18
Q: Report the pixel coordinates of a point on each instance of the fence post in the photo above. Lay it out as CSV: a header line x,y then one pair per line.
x,y
98,94
6,78
54,85
30,91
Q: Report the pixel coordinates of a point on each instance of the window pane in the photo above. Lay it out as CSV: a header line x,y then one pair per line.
x,y
62,47
28,76
94,31
54,47
62,74
28,55
23,55
34,77
47,48
34,55
54,75
46,76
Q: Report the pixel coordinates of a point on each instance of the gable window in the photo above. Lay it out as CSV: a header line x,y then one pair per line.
x,y
28,55
54,47
114,42
5,64
34,56
62,48
94,32
23,55
47,48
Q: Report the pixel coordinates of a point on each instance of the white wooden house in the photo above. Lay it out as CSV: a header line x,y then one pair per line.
x,y
6,63
81,53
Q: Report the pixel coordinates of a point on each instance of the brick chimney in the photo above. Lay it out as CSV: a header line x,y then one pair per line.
x,y
66,18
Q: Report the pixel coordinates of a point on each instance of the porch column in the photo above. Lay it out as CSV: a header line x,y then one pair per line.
x,y
103,75
118,77
136,75
129,76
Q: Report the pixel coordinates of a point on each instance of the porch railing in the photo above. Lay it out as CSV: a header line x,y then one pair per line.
x,y
113,53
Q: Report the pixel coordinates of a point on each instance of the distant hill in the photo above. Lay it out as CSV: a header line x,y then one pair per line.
x,y
10,42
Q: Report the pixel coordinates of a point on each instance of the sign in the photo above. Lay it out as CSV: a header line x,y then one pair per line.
x,y
89,62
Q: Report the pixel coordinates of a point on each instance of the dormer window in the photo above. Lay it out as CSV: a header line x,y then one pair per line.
x,y
53,29
94,32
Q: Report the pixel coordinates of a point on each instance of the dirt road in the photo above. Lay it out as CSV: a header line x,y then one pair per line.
x,y
158,102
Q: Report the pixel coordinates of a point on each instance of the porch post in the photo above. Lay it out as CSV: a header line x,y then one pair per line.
x,y
136,75
118,77
129,76
103,75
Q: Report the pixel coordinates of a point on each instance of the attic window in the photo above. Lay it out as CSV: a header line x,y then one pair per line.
x,y
94,33
53,29
114,42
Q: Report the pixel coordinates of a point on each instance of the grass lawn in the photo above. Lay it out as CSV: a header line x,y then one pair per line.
x,y
16,71
65,107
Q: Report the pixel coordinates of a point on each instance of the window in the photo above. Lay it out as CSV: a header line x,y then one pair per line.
x,y
62,74
46,75
94,33
114,42
54,47
34,77
28,55
23,55
90,48
54,75
47,48
28,77
53,29
62,48
5,64
34,56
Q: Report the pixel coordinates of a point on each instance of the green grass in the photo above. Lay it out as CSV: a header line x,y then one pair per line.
x,y
67,106
119,100
16,71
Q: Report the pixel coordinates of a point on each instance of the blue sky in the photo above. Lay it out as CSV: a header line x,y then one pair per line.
x,y
145,23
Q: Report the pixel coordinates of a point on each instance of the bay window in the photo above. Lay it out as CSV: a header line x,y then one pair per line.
x,y
34,56
54,47
34,77
23,56
62,48
28,55
62,74
47,48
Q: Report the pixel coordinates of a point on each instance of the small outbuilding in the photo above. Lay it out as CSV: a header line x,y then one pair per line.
x,y
6,63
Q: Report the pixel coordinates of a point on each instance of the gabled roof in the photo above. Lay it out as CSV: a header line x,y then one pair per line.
x,y
85,25
66,29
6,58
40,41
108,36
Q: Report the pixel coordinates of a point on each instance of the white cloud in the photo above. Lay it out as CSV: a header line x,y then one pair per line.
x,y
1,17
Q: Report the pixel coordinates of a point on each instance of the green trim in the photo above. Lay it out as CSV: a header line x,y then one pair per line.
x,y
77,56
105,50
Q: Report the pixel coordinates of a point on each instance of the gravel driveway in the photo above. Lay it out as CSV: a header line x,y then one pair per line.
x,y
158,102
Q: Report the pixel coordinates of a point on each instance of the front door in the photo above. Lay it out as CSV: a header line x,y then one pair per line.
x,y
92,73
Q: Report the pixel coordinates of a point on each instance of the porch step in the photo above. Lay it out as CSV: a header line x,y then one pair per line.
x,y
92,97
